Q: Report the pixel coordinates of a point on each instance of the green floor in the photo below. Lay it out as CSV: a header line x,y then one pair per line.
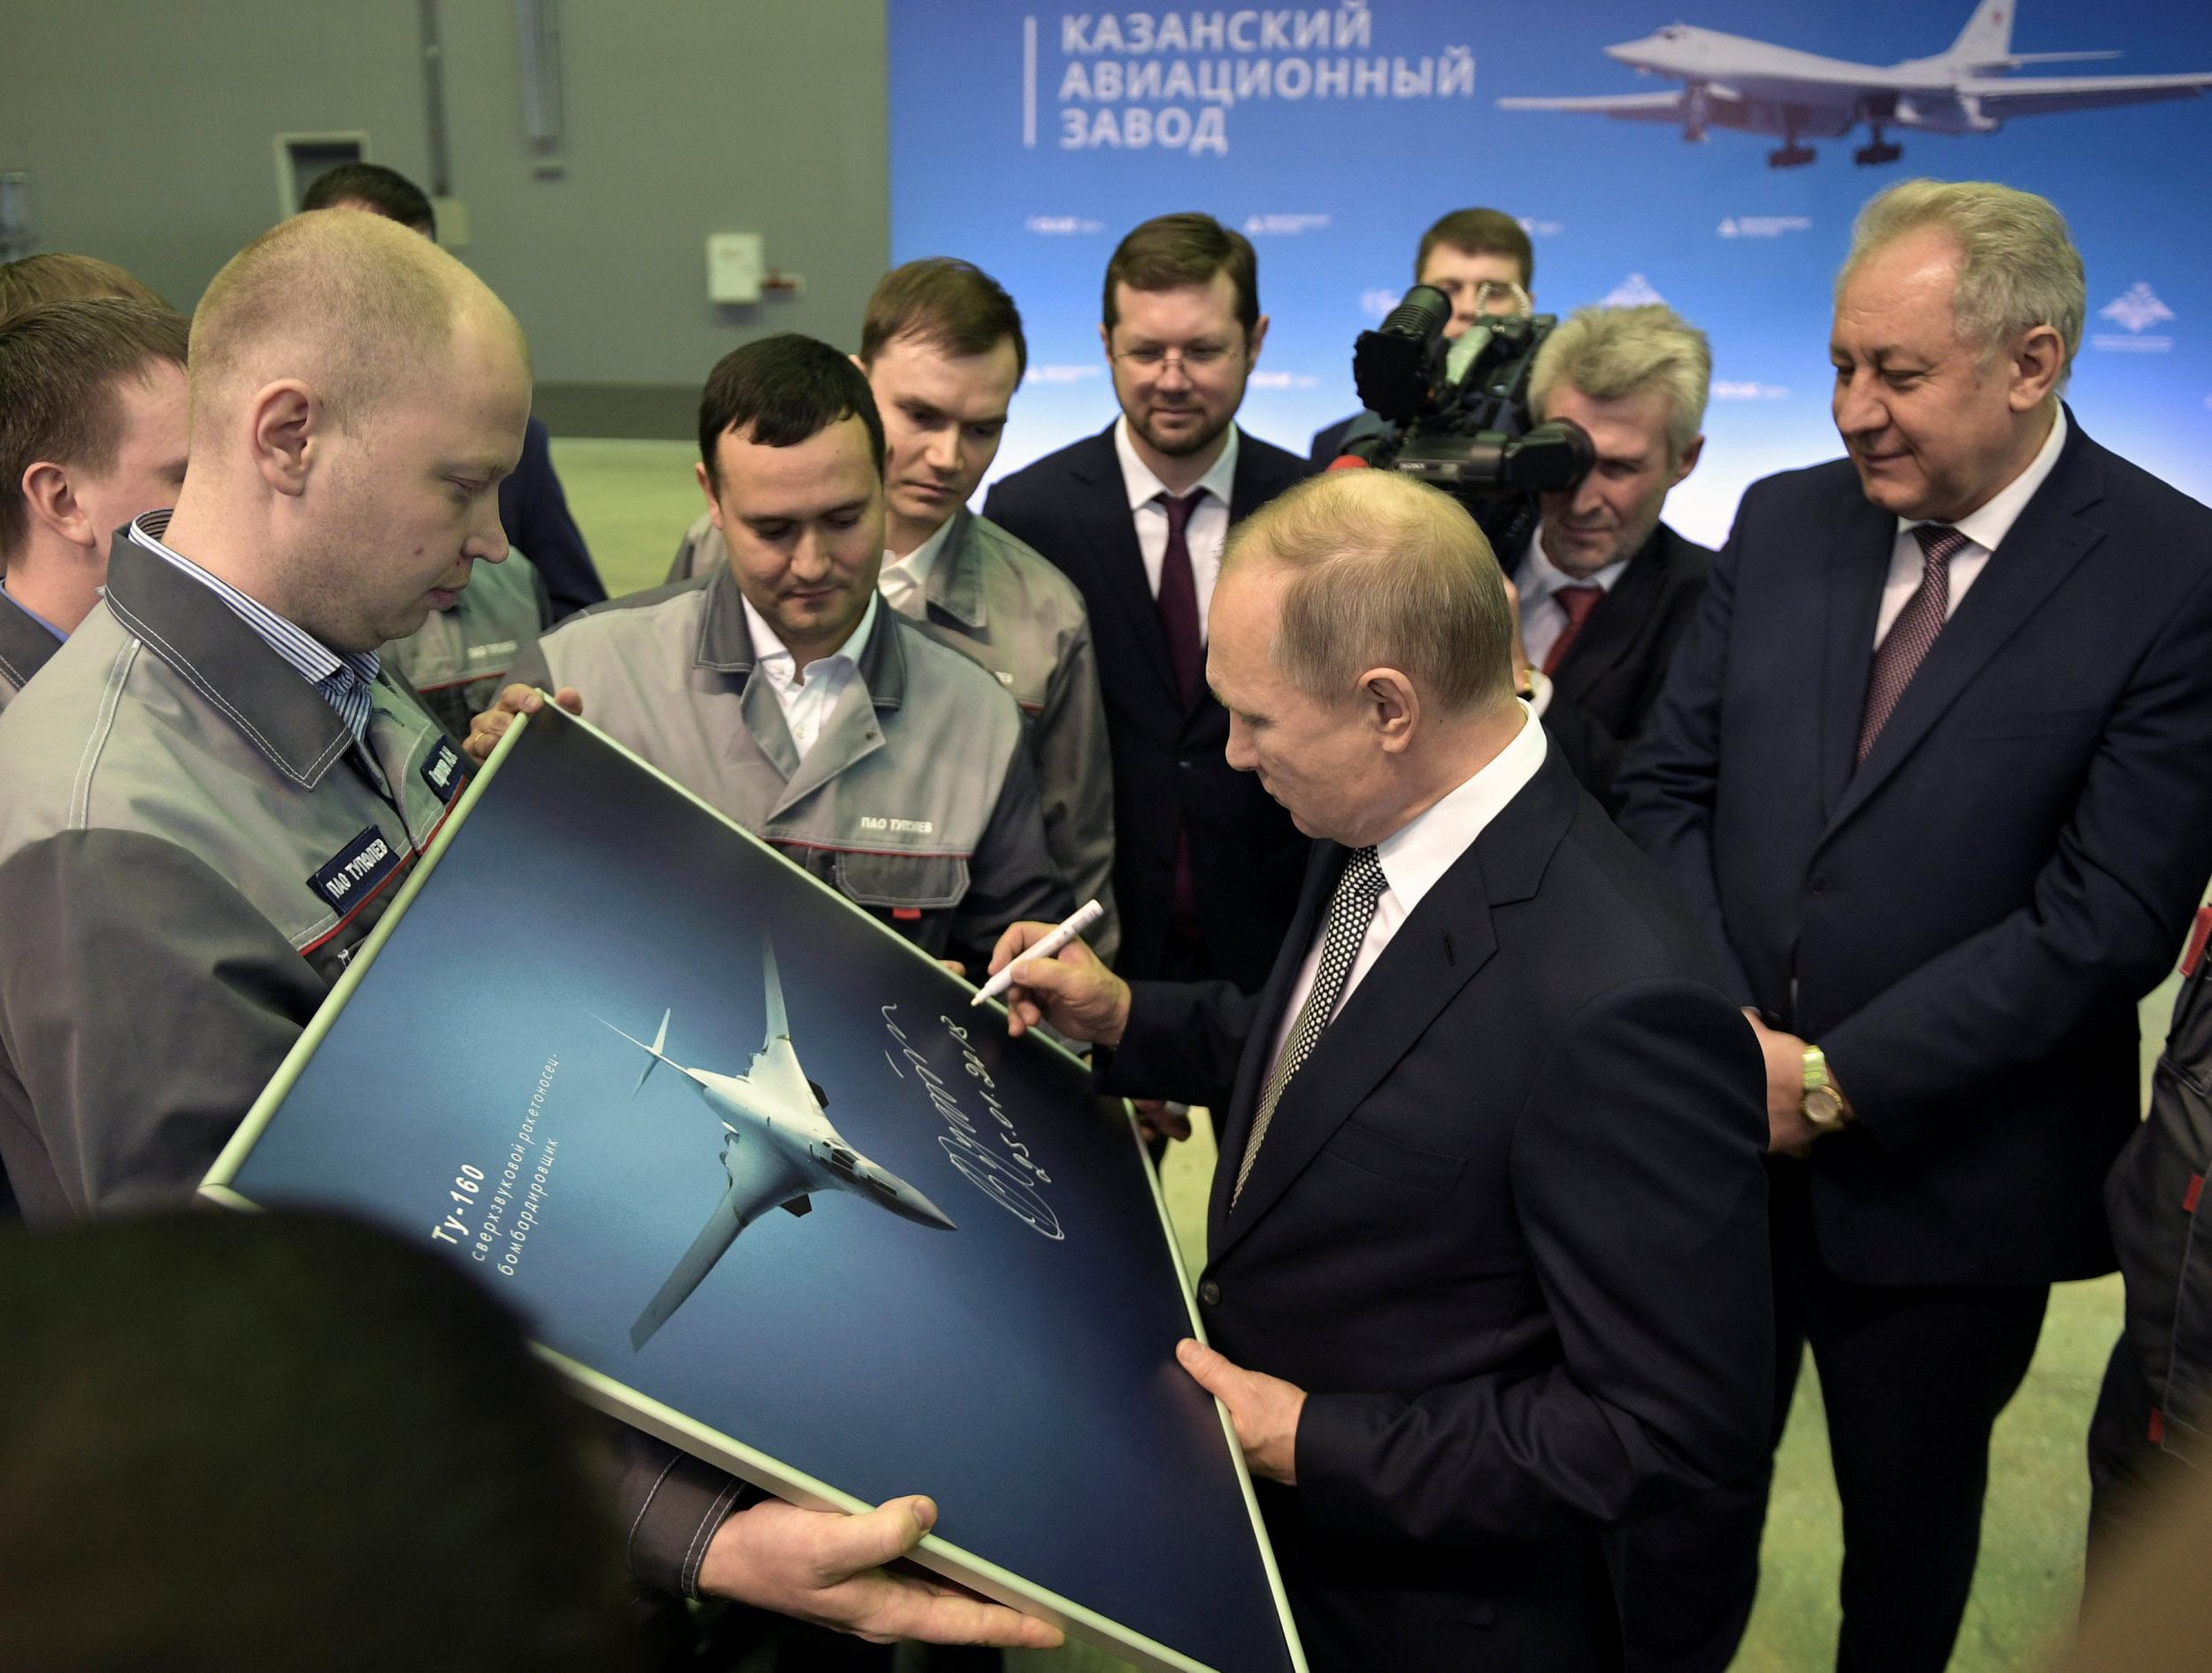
x,y
633,500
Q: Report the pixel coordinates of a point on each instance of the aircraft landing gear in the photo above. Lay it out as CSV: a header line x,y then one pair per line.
x,y
1875,153
1790,154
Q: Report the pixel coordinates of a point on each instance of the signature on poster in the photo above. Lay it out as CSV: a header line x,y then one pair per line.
x,y
987,1152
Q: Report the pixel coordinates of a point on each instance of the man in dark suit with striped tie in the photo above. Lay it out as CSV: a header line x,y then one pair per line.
x,y
1486,1252
1206,868
1932,770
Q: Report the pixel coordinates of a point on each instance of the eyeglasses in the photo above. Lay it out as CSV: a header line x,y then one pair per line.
x,y
1195,361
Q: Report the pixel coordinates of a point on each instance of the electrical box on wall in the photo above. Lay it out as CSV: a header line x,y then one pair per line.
x,y
736,263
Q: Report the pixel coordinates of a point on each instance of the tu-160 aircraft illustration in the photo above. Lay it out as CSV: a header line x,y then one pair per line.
x,y
777,1148
1733,82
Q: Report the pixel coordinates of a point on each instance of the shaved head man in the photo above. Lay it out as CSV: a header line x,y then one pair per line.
x,y
349,476
214,789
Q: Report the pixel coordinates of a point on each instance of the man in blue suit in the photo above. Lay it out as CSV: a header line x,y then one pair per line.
x,y
1932,769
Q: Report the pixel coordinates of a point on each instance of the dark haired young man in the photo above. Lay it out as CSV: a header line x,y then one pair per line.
x,y
94,429
780,690
943,348
1479,258
1207,865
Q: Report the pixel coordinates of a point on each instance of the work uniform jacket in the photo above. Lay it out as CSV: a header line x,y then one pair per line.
x,y
916,803
26,647
458,660
192,846
994,599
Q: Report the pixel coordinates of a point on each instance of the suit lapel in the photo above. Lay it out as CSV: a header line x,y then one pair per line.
x,y
1102,512
1257,479
1858,564
2042,549
1433,956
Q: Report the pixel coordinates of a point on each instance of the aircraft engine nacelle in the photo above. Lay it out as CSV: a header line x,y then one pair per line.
x,y
1945,116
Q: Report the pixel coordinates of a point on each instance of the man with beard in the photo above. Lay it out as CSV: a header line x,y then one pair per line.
x,y
1207,867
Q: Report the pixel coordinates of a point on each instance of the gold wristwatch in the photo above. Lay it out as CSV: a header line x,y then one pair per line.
x,y
1823,1106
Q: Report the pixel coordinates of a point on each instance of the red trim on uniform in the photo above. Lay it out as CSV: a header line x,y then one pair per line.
x,y
889,854
907,914
2156,1427
2196,1190
397,871
2199,933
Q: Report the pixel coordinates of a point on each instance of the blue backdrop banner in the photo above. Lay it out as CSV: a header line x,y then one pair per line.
x,y
1029,140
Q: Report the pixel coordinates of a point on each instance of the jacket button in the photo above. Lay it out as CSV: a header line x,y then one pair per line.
x,y
1210,1294
1817,883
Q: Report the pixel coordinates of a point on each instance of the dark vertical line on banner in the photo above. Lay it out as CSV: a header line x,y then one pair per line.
x,y
1029,82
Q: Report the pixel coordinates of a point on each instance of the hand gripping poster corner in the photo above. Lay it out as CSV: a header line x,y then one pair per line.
x,y
765,1186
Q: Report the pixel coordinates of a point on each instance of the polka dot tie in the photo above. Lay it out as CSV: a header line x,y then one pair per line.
x,y
1350,911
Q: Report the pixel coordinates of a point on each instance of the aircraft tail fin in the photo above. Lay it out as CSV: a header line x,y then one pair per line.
x,y
779,1024
655,1054
1987,37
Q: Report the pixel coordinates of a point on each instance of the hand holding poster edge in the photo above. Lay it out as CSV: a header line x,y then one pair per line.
x,y
630,1405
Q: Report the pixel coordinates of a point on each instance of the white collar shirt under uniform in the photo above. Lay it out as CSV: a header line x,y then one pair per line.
x,y
345,682
1206,532
1415,857
808,698
1982,529
1543,618
904,582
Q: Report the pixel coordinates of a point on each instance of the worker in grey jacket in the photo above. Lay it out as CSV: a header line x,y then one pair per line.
x,y
943,347
458,660
783,690
214,787
93,431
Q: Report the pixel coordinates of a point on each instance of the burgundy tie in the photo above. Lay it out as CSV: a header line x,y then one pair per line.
x,y
1578,602
1178,600
1913,632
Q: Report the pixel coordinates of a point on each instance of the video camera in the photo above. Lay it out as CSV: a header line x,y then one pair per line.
x,y
1459,415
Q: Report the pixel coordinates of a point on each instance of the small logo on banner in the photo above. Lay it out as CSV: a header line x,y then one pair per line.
x,y
355,870
442,770
1635,291
2135,309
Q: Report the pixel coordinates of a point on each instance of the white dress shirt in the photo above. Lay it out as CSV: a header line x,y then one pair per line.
x,y
1543,618
1206,532
1983,530
1415,857
807,697
904,582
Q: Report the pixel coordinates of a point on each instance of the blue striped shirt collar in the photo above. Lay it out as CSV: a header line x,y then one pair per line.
x,y
346,680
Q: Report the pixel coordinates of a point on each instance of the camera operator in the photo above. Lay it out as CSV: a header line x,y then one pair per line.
x,y
1482,261
1605,590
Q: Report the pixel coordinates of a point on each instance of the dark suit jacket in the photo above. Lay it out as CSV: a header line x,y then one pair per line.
x,y
1611,674
1169,768
1965,922
533,511
1508,1230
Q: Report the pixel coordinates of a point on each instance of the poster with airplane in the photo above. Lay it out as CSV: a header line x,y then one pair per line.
x,y
766,1185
